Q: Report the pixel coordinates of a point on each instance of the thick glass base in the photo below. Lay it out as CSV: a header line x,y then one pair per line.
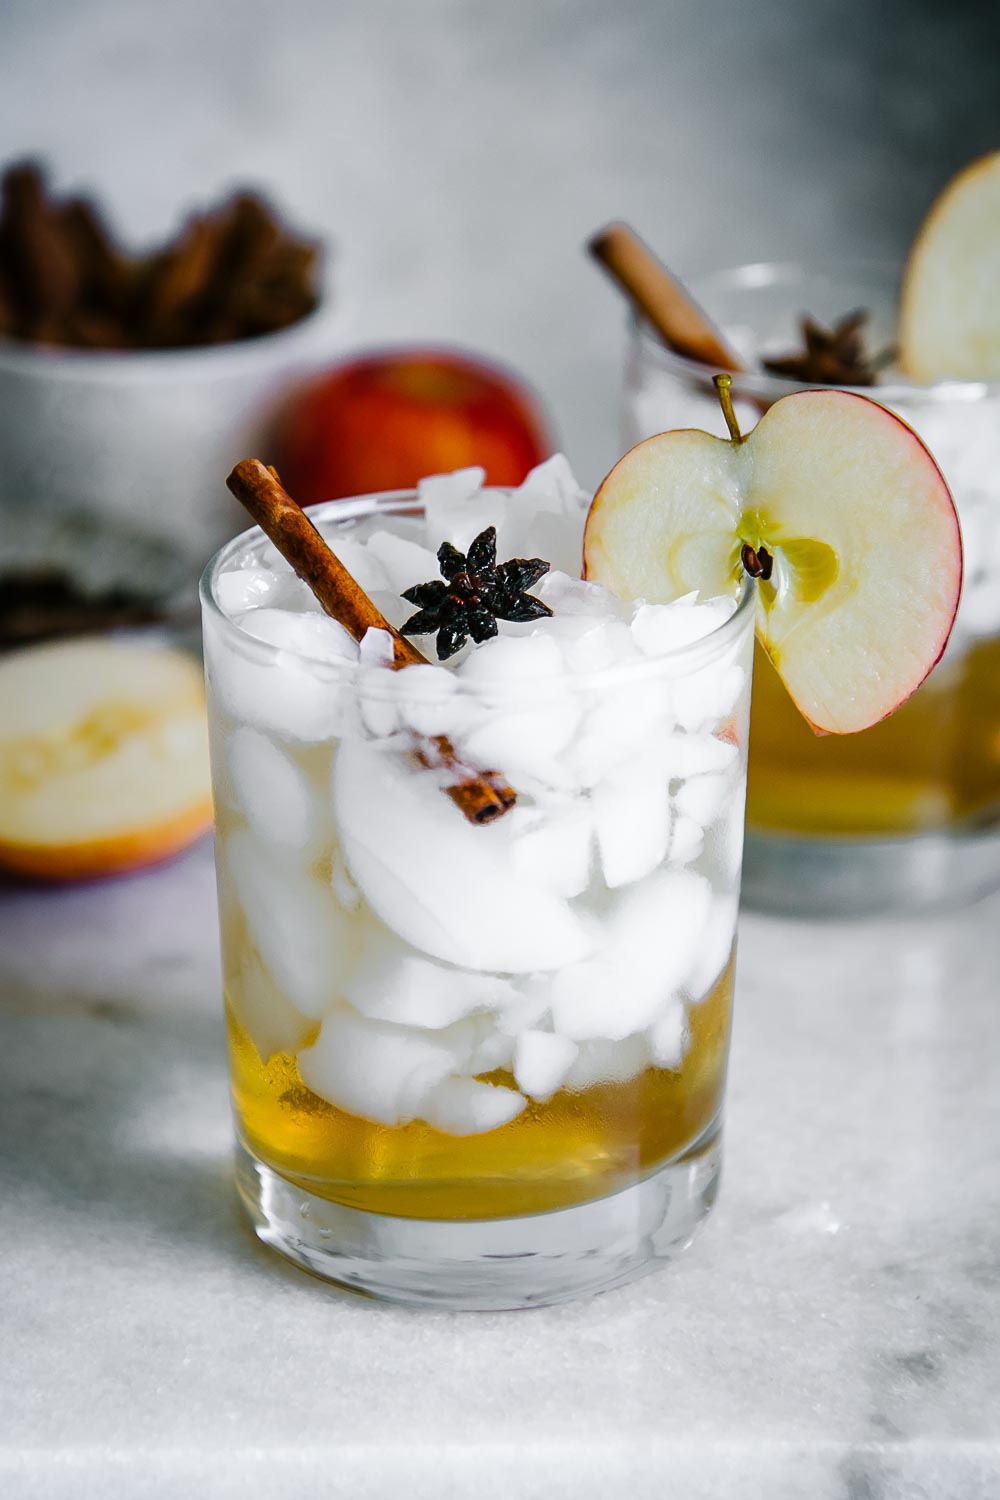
x,y
490,1264
817,877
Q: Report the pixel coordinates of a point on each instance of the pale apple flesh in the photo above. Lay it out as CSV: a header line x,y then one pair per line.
x,y
103,758
853,511
950,308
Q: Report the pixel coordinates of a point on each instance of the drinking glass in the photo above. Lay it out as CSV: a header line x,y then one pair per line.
x,y
475,1067
904,816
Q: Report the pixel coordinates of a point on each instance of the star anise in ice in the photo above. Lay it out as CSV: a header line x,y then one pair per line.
x,y
832,356
475,594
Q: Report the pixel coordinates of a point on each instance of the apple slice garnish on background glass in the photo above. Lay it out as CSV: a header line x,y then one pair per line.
x,y
950,310
839,511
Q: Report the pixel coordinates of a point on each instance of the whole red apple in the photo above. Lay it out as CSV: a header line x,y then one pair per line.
x,y
385,420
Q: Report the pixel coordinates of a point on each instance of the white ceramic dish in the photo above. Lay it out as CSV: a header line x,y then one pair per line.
x,y
148,436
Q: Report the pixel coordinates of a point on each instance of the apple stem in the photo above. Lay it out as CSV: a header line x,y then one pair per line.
x,y
724,386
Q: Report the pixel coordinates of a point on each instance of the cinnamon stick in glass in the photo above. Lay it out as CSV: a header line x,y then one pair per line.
x,y
482,796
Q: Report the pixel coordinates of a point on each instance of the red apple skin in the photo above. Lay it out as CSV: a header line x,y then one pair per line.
x,y
386,420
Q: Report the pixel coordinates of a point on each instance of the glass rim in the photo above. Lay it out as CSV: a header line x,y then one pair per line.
x,y
763,274
405,502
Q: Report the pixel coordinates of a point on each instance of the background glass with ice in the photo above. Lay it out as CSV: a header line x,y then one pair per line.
x,y
906,815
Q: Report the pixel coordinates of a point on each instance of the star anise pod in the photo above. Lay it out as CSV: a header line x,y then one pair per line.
x,y
475,594
832,356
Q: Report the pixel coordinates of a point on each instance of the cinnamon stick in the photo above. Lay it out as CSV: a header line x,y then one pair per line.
x,y
661,298
482,796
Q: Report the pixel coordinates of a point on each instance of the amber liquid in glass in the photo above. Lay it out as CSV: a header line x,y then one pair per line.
x,y
933,765
575,1147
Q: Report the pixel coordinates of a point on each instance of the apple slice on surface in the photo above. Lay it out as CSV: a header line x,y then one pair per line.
x,y
950,310
850,518
103,757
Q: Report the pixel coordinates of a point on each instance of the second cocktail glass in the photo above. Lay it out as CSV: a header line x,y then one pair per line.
x,y
906,814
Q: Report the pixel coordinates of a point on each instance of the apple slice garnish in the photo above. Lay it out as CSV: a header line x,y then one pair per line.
x,y
838,509
949,321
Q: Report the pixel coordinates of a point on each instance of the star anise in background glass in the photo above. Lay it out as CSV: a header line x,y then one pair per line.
x,y
475,594
832,356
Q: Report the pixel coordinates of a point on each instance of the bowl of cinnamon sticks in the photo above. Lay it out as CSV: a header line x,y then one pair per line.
x,y
131,382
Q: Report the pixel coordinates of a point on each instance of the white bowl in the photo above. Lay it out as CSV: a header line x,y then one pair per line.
x,y
148,436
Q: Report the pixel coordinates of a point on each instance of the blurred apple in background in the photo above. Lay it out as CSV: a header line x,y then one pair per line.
x,y
383,421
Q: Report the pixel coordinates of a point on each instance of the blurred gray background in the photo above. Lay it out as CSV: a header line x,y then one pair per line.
x,y
458,152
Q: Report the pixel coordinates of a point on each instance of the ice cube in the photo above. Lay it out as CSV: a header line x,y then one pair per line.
x,y
376,649
513,667
315,636
552,485
714,946
703,798
376,1071
528,1009
451,489
360,561
648,949
668,1037
449,888
557,539
609,644
267,1015
659,925
403,561
687,840
430,701
596,998
494,1049
274,795
303,937
393,983
523,713
726,842
464,1106
244,588
554,848
632,820
541,1062
526,743
455,510
696,754
279,692
376,687
620,724
608,1062
570,596
705,697
659,629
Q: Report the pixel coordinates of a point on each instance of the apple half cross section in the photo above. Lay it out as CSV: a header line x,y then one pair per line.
x,y
950,309
103,757
851,516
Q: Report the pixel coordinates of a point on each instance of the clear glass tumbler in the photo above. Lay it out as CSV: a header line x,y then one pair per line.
x,y
475,1067
907,814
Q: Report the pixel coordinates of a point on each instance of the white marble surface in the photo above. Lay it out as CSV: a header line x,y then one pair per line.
x,y
834,1333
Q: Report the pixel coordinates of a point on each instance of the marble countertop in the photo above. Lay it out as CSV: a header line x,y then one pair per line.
x,y
835,1331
